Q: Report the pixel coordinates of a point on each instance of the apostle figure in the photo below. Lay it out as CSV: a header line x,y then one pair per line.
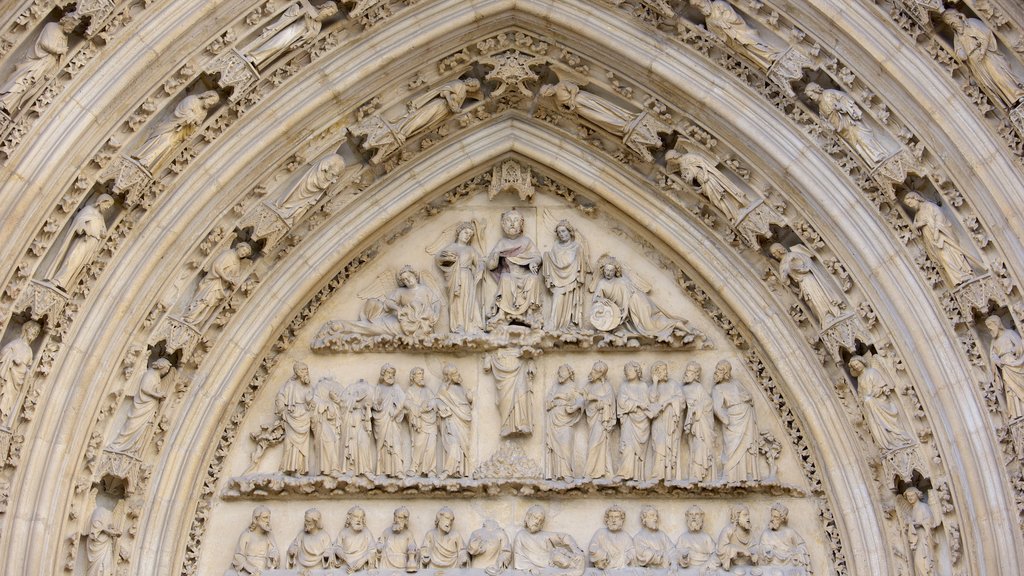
x,y
652,548
312,546
699,426
83,241
940,239
539,551
355,548
881,412
325,425
611,548
388,415
463,268
295,28
489,548
919,525
695,547
667,423
623,307
797,264
780,545
455,407
841,113
513,378
694,168
357,439
566,270
38,65
1006,354
411,309
443,548
634,411
601,420
564,408
100,544
15,362
734,406
159,148
421,410
515,263
734,541
976,46
131,438
396,548
223,274
293,405
256,550
307,191
723,21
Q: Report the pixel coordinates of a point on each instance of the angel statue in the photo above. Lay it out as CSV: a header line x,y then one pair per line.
x,y
841,113
462,264
566,269
410,309
296,27
621,305
797,264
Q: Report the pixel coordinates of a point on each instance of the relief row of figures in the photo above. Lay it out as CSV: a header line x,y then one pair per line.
x,y
363,429
533,549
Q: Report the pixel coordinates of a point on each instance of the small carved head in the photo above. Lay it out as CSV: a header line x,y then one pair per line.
x,y
693,371
400,519
632,370
301,371
780,515
813,91
913,495
565,231
614,518
534,520
162,366
953,19
103,201
464,232
778,251
598,371
566,374
407,277
312,521
444,520
994,324
260,519
659,371
451,374
913,200
326,10
210,98
512,223
387,374
703,5
739,515
649,517
472,84
30,331
243,250
857,365
69,22
332,164
416,376
723,371
355,519
695,518
610,267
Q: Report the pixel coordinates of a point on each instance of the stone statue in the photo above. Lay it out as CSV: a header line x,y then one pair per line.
x,y
841,113
388,416
443,548
515,264
100,544
734,542
223,274
723,21
358,446
881,412
421,410
611,548
542,552
131,438
38,65
455,407
634,411
83,241
975,45
797,265
667,407
696,169
355,548
601,420
652,548
621,305
295,28
489,548
396,548
566,272
159,148
325,425
734,406
294,202
256,550
940,239
312,546
294,406
695,547
1006,354
564,408
411,309
921,522
780,545
463,268
699,425
513,380
15,362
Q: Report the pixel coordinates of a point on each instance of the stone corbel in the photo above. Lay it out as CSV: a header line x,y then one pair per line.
x,y
901,463
789,67
132,180
178,336
234,72
893,170
266,223
979,293
755,221
98,12
843,333
45,301
511,176
126,467
919,9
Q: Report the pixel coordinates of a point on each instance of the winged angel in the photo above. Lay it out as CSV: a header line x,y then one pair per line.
x,y
459,256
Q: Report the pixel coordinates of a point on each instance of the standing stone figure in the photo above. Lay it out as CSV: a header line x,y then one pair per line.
x,y
513,379
634,410
39,64
489,548
566,270
455,407
535,549
881,412
83,241
293,405
564,407
667,406
921,522
294,202
396,548
388,415
293,29
611,548
652,548
443,548
695,547
421,410
223,274
734,406
256,550
159,148
976,46
515,264
325,425
694,168
355,548
1006,353
723,21
312,546
601,420
841,113
101,543
699,426
780,544
940,239
15,362
463,268
131,438
797,265
734,542
358,446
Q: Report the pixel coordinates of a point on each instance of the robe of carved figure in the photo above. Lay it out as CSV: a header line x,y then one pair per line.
x,y
421,410
355,548
1006,353
695,548
83,241
634,411
131,438
38,65
624,308
489,548
798,266
463,269
652,548
293,406
940,239
396,548
699,426
513,380
411,309
15,361
388,416
541,551
455,407
100,544
256,550
564,406
611,548
566,269
695,168
325,426
667,422
312,547
734,542
601,420
920,524
976,46
443,548
223,274
307,191
780,545
159,148
734,406
881,412
515,263
294,28
841,113
358,447
723,21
